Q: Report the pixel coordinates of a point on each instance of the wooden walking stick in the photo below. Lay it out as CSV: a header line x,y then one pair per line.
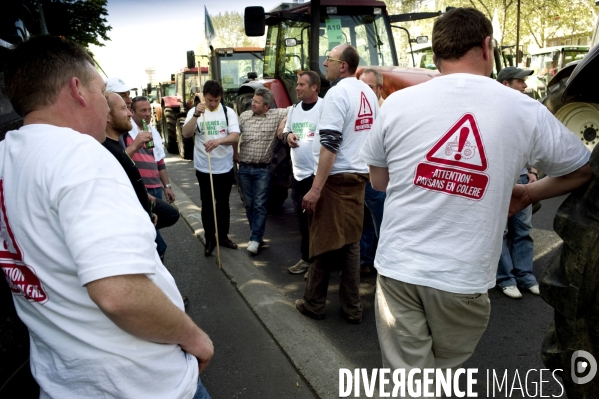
x,y
212,191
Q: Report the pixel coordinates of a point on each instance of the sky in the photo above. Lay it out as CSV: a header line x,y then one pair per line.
x,y
158,34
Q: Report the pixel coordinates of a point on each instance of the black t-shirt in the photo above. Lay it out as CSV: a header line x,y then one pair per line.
x,y
132,172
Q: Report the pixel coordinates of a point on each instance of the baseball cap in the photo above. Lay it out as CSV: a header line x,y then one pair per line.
x,y
116,85
512,73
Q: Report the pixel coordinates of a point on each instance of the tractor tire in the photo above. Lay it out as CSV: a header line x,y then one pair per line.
x,y
243,102
582,119
569,285
185,145
169,131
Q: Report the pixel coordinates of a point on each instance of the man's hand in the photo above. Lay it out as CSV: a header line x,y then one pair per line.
x,y
520,199
155,219
212,144
140,140
200,108
169,195
202,348
310,199
532,177
292,140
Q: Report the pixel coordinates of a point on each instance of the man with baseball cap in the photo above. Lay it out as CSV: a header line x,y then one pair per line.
x,y
515,263
514,78
116,85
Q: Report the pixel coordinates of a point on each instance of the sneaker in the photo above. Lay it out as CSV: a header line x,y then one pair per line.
x,y
300,267
306,275
253,247
512,291
535,289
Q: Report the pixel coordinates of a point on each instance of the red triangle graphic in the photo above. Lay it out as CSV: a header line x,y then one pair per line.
x,y
461,146
365,108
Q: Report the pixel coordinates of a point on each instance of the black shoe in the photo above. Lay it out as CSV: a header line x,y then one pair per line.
x,y
210,245
301,307
225,242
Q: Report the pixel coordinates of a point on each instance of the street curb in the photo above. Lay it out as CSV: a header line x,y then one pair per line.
x,y
308,349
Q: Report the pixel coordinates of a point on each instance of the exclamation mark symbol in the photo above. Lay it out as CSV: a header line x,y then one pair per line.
x,y
463,136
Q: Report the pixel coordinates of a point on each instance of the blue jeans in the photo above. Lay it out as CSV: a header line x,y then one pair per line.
x,y
374,202
254,187
515,265
160,244
201,392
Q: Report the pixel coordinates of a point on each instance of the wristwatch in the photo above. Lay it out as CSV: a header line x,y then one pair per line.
x,y
196,115
167,186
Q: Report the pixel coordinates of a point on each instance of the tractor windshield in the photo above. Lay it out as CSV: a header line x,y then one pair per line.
x,y
288,43
367,33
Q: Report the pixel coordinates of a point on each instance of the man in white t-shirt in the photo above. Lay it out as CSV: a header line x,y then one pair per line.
x,y
223,133
336,199
104,316
299,131
449,152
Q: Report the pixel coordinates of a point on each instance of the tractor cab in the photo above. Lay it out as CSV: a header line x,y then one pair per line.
x,y
292,45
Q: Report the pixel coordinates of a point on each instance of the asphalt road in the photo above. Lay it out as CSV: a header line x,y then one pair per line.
x,y
511,344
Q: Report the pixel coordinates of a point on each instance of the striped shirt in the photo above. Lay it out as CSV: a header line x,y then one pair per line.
x,y
259,135
147,165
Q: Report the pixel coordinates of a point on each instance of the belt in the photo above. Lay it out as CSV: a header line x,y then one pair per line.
x,y
256,165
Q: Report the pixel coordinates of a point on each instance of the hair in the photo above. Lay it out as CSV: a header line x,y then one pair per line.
x,y
213,88
107,95
266,95
313,79
135,100
351,57
36,71
377,75
459,30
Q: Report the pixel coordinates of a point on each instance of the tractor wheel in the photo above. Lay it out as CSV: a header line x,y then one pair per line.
x,y
243,102
582,119
169,131
185,145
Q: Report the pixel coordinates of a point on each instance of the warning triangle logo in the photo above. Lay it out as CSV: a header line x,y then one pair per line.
x,y
365,108
461,146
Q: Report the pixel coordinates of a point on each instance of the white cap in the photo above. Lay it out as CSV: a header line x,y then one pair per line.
x,y
116,85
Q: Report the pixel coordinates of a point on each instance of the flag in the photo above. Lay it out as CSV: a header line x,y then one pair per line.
x,y
208,27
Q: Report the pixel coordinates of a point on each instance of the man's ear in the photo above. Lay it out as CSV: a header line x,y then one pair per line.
x,y
75,90
487,48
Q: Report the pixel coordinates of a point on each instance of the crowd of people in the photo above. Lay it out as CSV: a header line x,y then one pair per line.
x,y
86,261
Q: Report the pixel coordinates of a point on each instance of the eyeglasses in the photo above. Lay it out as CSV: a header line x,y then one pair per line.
x,y
334,59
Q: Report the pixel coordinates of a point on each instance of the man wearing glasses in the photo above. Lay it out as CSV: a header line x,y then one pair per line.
x,y
336,199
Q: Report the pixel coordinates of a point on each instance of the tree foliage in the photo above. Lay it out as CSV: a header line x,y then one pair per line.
x,y
82,21
540,20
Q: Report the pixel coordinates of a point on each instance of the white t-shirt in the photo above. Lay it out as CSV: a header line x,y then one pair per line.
x,y
455,147
69,216
158,149
349,107
221,157
304,125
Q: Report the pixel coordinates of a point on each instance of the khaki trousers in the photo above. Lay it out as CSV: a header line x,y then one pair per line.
x,y
422,327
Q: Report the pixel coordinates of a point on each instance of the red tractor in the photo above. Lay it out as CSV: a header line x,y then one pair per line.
x,y
177,98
